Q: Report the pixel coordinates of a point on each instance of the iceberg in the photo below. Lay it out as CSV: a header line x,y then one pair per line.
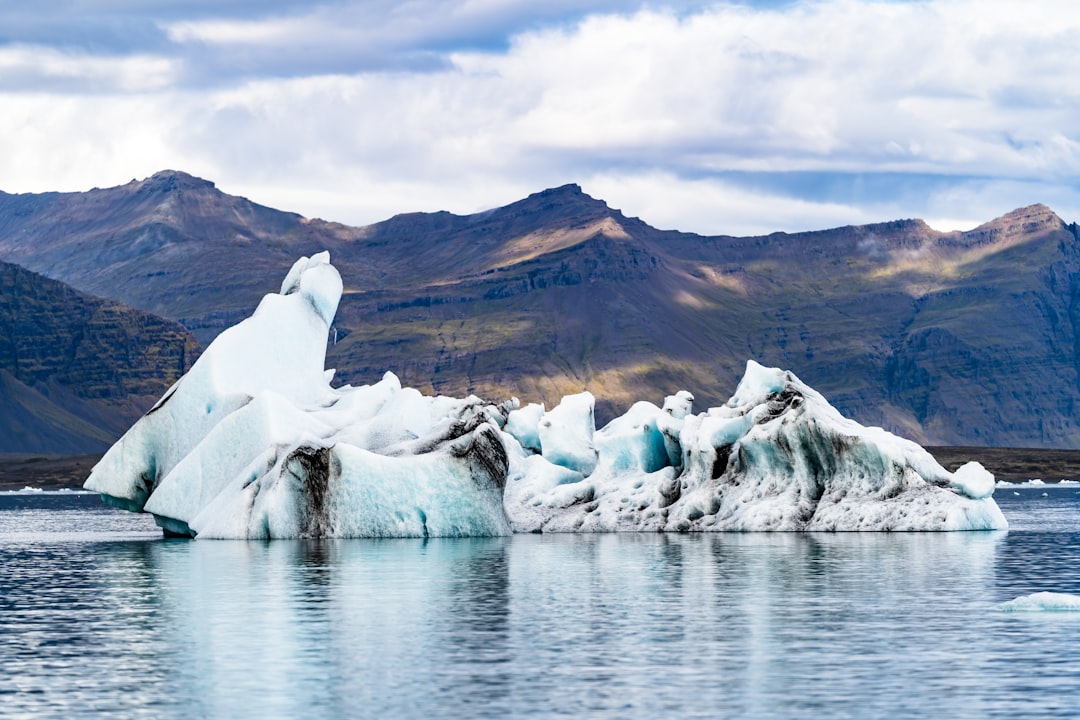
x,y
1042,602
776,456
254,442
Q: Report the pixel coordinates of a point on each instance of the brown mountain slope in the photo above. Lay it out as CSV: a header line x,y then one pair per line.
x,y
950,337
171,244
76,370
947,337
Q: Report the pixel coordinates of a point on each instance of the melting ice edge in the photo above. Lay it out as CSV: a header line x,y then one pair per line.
x,y
253,442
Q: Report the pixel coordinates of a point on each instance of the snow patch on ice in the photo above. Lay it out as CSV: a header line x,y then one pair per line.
x,y
566,433
524,425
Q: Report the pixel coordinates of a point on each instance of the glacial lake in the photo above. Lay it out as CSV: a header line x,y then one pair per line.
x,y
101,616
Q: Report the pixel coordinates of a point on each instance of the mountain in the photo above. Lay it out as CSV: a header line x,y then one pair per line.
x,y
171,244
948,338
76,370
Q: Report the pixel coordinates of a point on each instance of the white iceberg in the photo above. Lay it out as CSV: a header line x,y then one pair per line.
x,y
1042,602
253,442
777,456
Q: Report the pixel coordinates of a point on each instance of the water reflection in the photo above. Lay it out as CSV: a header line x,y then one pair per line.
x,y
755,625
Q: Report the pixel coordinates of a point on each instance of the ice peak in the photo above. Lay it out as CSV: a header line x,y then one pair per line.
x,y
319,281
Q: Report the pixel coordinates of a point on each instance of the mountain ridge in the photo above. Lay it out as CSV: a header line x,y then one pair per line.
x,y
945,337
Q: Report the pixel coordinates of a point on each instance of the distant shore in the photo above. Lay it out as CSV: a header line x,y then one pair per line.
x,y
1012,464
55,472
47,472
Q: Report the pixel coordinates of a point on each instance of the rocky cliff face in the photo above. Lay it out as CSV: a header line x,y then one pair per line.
x,y
948,338
76,370
945,337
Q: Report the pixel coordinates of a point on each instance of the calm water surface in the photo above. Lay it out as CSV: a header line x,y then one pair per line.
x,y
100,616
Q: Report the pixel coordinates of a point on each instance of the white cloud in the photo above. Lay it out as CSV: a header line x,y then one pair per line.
x,y
28,67
655,111
714,207
824,86
78,142
277,31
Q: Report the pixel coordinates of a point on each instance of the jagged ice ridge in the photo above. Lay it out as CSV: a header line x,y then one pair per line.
x,y
254,442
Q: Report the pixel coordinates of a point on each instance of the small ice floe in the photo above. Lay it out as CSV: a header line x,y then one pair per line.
x,y
1046,494
27,490
1033,483
1016,493
1019,483
1042,602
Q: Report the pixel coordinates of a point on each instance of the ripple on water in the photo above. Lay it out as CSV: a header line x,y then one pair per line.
x,y
98,614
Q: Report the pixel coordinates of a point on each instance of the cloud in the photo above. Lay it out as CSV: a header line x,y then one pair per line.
x,y
707,117
76,142
712,206
28,69
219,43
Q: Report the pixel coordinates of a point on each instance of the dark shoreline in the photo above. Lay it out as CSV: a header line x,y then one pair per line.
x,y
55,472
1012,464
47,472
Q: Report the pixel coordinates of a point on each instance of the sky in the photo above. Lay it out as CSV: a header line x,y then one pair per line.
x,y
710,117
